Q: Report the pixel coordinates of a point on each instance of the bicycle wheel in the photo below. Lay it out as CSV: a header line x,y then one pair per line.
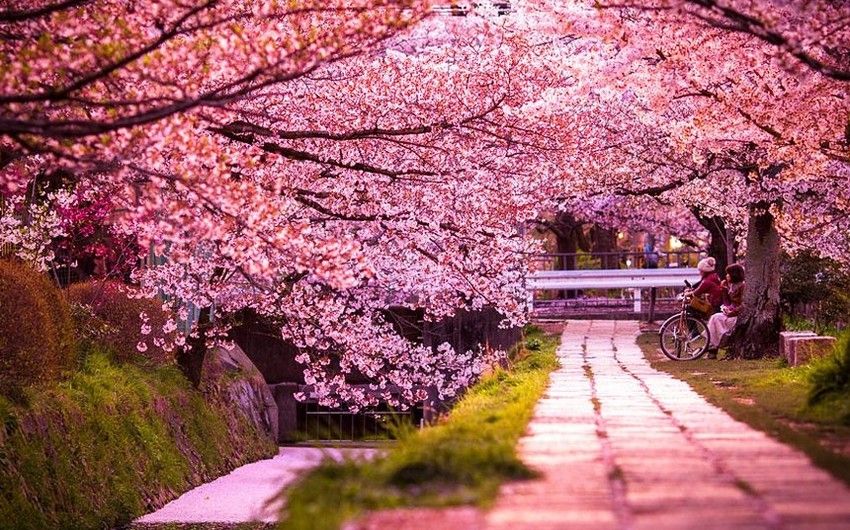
x,y
684,339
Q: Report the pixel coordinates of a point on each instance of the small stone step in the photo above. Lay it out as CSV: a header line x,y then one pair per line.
x,y
801,349
786,336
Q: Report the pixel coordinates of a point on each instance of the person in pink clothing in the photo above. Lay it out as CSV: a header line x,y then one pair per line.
x,y
721,324
709,284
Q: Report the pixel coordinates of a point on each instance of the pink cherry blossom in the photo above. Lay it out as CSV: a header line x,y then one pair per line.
x,y
320,161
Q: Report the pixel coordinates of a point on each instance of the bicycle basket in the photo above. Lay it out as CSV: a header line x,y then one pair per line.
x,y
701,304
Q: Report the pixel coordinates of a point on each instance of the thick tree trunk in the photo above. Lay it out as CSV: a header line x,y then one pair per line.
x,y
566,243
756,333
721,246
191,361
568,238
604,246
731,245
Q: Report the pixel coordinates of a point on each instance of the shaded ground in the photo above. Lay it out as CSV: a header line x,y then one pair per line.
x,y
202,526
463,517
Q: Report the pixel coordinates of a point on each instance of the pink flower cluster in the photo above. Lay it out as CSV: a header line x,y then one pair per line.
x,y
320,161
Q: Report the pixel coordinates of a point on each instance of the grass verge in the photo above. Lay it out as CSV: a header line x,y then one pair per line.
x,y
461,460
771,397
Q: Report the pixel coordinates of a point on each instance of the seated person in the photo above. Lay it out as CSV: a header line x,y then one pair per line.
x,y
709,285
721,324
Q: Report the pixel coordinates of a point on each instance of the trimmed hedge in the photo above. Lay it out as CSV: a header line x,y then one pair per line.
x,y
37,341
107,316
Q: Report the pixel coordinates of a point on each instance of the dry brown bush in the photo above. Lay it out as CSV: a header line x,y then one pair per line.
x,y
37,340
106,314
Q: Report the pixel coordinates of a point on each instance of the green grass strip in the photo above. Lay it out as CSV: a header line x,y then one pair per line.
x,y
461,460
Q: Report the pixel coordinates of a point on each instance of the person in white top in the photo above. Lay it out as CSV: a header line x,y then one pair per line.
x,y
722,323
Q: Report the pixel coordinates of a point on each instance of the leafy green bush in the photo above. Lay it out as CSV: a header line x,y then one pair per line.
x,y
36,330
829,378
106,315
815,288
798,323
112,442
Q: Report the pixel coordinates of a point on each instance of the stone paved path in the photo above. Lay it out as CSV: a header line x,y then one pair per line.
x,y
623,446
249,492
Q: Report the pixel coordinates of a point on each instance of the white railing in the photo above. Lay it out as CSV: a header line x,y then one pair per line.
x,y
461,9
611,278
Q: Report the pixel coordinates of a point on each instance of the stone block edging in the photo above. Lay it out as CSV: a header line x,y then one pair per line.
x,y
799,347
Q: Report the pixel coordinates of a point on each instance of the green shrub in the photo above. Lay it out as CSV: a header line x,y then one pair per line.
x,y
829,377
533,344
106,315
798,323
816,288
36,330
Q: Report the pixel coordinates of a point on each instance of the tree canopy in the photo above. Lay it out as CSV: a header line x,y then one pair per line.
x,y
318,161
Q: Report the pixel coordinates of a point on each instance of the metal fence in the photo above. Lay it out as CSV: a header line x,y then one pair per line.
x,y
623,305
461,9
317,423
637,302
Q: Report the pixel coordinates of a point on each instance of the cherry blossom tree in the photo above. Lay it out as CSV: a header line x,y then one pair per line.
x,y
28,227
372,171
719,116
320,161
811,34
356,208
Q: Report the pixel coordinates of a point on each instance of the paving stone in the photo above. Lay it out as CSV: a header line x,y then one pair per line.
x,y
657,456
811,524
537,516
675,520
687,492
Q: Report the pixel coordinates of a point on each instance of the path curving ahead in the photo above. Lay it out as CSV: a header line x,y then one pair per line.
x,y
248,493
623,446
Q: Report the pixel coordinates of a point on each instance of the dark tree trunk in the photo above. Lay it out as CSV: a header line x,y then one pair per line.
x,y
756,333
191,361
569,236
566,244
731,245
722,243
604,245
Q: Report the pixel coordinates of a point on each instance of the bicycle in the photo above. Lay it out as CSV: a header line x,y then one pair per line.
x,y
684,337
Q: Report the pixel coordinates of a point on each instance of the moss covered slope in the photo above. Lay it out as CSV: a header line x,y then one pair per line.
x,y
112,442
